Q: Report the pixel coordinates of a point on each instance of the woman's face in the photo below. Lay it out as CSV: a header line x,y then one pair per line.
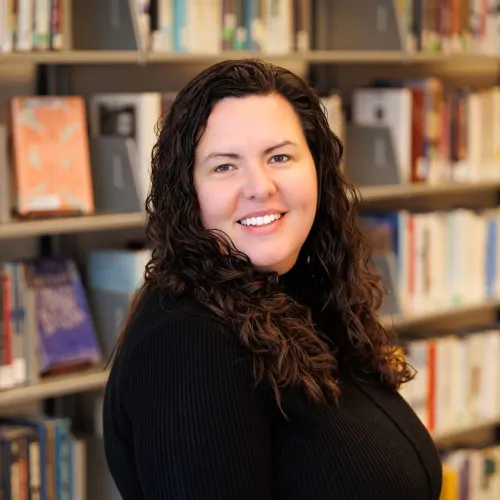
x,y
256,179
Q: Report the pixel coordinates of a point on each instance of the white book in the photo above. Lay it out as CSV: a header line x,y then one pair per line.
x,y
132,115
489,386
162,38
403,260
454,387
335,114
79,452
7,27
460,246
439,292
443,382
495,130
418,357
461,375
390,108
480,257
24,38
279,26
212,26
475,344
42,28
194,28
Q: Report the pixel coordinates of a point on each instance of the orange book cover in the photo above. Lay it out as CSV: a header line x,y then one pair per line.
x,y
51,155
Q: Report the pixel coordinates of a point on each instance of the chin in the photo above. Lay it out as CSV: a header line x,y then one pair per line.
x,y
277,263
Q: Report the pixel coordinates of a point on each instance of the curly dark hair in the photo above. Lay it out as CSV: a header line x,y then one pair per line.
x,y
188,259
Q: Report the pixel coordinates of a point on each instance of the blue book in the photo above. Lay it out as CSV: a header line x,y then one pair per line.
x,y
65,330
491,261
180,17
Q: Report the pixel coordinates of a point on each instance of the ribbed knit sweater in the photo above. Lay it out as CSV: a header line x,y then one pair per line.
x,y
184,421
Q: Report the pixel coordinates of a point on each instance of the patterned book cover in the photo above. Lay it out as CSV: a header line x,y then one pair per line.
x,y
66,334
51,155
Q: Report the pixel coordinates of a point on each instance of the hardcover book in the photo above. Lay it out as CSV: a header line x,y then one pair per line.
x,y
65,330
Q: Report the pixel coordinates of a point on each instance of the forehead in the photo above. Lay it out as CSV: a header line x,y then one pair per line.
x,y
251,120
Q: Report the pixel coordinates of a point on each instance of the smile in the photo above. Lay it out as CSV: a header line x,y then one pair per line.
x,y
260,221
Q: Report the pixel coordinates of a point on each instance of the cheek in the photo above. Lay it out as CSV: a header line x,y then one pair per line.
x,y
303,190
216,205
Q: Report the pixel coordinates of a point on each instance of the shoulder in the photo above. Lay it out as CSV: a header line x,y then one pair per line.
x,y
179,346
159,318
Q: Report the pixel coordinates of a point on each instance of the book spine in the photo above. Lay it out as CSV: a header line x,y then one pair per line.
x,y
56,33
18,317
24,41
228,21
34,469
6,352
42,25
180,26
65,459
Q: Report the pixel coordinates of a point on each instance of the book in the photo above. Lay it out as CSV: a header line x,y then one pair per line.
x,y
51,155
59,315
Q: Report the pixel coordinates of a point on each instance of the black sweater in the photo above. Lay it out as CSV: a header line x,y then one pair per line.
x,y
184,421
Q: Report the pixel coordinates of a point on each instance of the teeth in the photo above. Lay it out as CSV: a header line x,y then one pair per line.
x,y
260,221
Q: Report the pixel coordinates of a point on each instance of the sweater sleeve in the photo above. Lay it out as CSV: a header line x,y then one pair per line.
x,y
200,430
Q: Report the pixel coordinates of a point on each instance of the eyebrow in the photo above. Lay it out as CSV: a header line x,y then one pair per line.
x,y
237,156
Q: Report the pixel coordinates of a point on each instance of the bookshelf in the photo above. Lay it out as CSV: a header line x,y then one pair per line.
x,y
74,69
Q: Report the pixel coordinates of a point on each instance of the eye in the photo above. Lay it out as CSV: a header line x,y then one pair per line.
x,y
279,158
223,168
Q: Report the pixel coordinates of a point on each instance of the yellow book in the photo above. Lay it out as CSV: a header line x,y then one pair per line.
x,y
449,490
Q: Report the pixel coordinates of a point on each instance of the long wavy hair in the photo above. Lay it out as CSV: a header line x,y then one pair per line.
x,y
188,259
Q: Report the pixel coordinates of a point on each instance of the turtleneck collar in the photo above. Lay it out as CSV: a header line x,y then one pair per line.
x,y
303,283
298,282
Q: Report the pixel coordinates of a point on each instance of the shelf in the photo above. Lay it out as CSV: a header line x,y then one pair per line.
x,y
96,378
412,320
396,56
102,222
65,225
398,191
72,57
133,57
55,386
440,437
75,57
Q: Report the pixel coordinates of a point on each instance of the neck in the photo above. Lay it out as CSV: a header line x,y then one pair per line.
x,y
304,284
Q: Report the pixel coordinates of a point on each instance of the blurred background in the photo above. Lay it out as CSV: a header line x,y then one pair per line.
x,y
410,86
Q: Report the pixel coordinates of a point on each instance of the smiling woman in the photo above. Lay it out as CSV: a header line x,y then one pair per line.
x,y
253,364
265,197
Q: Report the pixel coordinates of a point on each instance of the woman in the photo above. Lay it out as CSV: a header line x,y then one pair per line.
x,y
253,365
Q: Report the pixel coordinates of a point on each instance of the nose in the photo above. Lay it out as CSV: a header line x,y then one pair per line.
x,y
258,183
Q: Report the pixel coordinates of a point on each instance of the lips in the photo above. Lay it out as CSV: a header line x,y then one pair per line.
x,y
261,220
